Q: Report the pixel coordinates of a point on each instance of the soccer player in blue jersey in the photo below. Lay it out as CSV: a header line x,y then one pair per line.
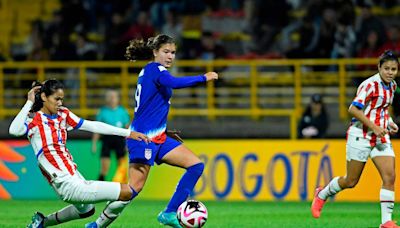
x,y
153,92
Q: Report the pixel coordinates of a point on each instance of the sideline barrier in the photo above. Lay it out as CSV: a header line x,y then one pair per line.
x,y
259,170
248,88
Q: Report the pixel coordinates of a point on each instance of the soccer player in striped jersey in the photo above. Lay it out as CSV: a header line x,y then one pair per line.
x,y
45,122
153,93
368,136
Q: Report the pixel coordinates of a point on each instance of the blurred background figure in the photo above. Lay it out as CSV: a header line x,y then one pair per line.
x,y
114,46
210,49
116,115
393,41
368,22
314,121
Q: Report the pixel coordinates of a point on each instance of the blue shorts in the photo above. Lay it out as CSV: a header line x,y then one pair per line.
x,y
140,152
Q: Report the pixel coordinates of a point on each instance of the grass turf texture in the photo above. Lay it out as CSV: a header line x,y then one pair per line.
x,y
17,213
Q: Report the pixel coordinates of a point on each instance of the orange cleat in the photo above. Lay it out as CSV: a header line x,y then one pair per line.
x,y
317,204
389,224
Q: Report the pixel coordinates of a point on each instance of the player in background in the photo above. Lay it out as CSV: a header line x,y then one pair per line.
x,y
368,136
114,114
153,93
47,133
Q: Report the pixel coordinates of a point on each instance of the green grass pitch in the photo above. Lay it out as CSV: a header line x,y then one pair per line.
x,y
17,213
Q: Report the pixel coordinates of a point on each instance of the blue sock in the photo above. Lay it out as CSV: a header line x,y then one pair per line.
x,y
185,186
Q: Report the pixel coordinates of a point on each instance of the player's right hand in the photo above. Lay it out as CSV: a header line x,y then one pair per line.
x,y
139,136
211,76
380,132
32,92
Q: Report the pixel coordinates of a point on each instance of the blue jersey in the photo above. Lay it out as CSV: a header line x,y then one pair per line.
x,y
153,92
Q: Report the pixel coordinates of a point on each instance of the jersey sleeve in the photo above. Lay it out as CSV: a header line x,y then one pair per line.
x,y
364,93
73,121
104,129
164,78
19,126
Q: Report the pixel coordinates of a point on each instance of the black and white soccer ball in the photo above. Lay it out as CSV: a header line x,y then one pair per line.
x,y
192,214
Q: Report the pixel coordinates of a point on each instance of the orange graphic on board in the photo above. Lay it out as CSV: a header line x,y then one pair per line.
x,y
7,154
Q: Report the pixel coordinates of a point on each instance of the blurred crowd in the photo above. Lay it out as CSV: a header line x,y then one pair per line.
x,y
213,29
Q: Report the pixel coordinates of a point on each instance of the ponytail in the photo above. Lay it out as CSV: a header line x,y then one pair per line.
x,y
38,104
138,49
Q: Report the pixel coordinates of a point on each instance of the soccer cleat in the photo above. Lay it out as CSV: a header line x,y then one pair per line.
x,y
168,219
91,225
317,204
37,220
389,224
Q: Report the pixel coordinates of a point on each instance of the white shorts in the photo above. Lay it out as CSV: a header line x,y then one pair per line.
x,y
359,149
75,189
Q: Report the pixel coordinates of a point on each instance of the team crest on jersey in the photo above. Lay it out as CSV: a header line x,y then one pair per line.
x,y
147,153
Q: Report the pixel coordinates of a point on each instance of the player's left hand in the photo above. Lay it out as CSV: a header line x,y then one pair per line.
x,y
175,135
32,92
211,76
139,136
393,128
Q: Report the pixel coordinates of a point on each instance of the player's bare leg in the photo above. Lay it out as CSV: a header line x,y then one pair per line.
x,y
337,184
386,169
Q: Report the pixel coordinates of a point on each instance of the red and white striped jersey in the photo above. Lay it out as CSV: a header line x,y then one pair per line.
x,y
374,97
48,137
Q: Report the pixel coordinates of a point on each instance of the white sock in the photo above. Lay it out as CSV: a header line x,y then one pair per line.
x,y
111,212
331,189
387,204
66,214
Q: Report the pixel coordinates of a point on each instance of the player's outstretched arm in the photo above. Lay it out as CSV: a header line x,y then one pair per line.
x,y
18,126
106,129
168,80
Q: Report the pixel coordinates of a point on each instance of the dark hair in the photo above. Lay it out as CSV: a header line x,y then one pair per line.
x,y
388,55
48,87
138,49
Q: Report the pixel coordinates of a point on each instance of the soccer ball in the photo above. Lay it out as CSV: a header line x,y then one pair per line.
x,y
192,213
